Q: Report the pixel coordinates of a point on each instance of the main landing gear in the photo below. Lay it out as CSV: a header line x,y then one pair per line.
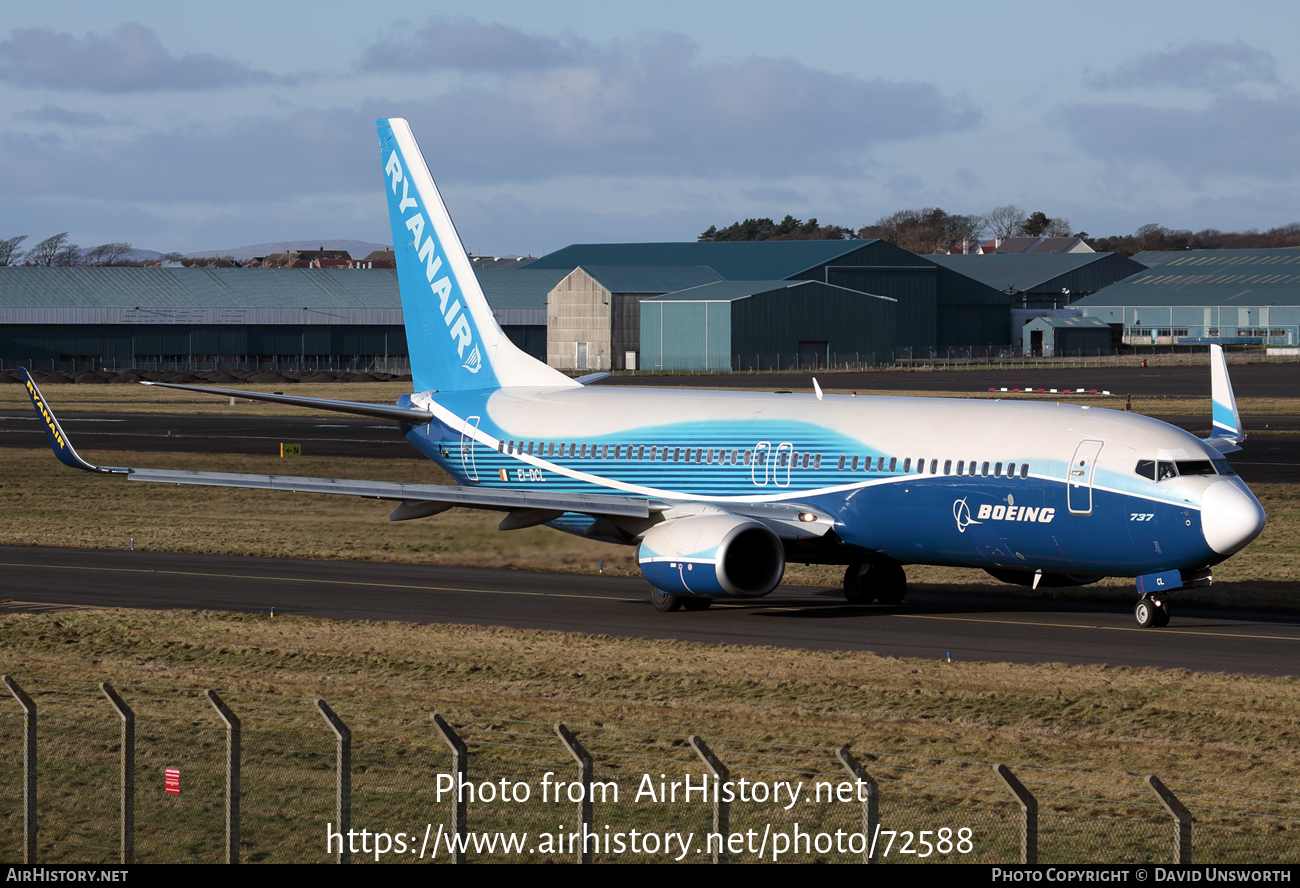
x,y
666,603
1151,612
882,581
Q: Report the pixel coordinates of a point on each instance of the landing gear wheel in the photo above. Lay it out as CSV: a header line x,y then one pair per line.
x,y
694,604
1162,616
882,581
855,589
663,602
1146,613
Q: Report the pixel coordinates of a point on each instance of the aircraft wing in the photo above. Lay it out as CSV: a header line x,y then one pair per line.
x,y
359,408
418,500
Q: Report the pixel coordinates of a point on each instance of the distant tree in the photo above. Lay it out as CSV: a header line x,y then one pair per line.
x,y
9,252
107,254
173,257
1035,225
764,229
925,230
1057,226
48,250
1005,222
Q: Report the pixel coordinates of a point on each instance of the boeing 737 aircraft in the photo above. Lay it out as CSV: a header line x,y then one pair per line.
x,y
719,489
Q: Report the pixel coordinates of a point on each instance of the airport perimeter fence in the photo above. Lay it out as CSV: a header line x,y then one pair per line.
x,y
91,773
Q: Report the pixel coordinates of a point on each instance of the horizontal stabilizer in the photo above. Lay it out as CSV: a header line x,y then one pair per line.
x,y
359,408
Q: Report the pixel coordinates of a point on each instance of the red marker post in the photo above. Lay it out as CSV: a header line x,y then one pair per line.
x,y
172,780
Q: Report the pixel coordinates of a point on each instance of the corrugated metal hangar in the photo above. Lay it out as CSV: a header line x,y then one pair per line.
x,y
1194,297
750,325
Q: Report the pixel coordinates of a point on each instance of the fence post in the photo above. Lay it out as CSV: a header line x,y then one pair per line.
x,y
870,806
1182,819
460,765
721,807
128,771
29,769
342,777
233,750
1029,810
583,758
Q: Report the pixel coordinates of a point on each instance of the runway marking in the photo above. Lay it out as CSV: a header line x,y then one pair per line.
x,y
186,573
42,605
1107,628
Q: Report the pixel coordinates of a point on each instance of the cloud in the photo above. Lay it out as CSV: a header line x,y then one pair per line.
x,y
649,106
1199,65
65,117
469,46
1234,136
131,59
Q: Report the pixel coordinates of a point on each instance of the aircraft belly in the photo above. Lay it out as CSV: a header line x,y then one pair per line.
x,y
1021,524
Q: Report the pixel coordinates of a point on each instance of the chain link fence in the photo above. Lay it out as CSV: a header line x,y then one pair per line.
x,y
189,775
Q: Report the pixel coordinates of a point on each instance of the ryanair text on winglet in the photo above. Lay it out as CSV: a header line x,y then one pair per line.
x,y
45,414
454,317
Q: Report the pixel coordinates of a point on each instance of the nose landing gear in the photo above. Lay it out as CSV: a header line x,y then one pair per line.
x,y
1151,612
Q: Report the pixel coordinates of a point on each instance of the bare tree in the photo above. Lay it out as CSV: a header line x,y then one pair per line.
x,y
9,252
1005,221
50,251
173,257
1057,226
107,254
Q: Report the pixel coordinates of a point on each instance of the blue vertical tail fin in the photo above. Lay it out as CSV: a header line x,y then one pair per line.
x,y
454,341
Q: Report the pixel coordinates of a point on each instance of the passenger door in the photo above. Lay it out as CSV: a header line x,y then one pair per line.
x,y
467,448
1078,480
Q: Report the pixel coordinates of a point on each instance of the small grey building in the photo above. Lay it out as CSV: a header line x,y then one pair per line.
x,y
1067,337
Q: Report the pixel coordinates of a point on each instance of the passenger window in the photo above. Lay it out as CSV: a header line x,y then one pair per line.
x,y
1165,471
893,462
934,467
664,456
804,464
1024,470
1146,468
640,452
974,469
604,452
854,467
947,467
699,455
677,453
709,456
734,454
584,451
618,451
984,470
749,456
817,461
961,466
842,460
1011,470
907,465
510,448
997,470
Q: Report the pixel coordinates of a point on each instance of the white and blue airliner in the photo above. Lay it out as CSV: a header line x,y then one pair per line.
x,y
718,490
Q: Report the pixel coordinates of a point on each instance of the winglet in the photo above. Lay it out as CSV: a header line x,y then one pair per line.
x,y
54,433
1226,418
817,388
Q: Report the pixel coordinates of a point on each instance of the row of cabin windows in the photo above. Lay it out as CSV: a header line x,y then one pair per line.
x,y
703,455
721,456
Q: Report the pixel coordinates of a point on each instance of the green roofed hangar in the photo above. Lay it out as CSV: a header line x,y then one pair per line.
x,y
1198,297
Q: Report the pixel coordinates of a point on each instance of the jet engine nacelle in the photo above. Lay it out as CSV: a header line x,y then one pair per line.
x,y
712,555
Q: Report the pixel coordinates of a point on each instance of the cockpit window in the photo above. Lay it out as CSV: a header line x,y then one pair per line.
x,y
1147,469
1195,467
1165,470
1224,467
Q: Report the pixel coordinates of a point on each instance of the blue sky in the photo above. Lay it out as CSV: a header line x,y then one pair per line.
x,y
179,127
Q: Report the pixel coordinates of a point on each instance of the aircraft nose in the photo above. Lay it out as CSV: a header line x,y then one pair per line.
x,y
1230,517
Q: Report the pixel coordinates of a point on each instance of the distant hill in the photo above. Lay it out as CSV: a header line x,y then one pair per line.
x,y
356,249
